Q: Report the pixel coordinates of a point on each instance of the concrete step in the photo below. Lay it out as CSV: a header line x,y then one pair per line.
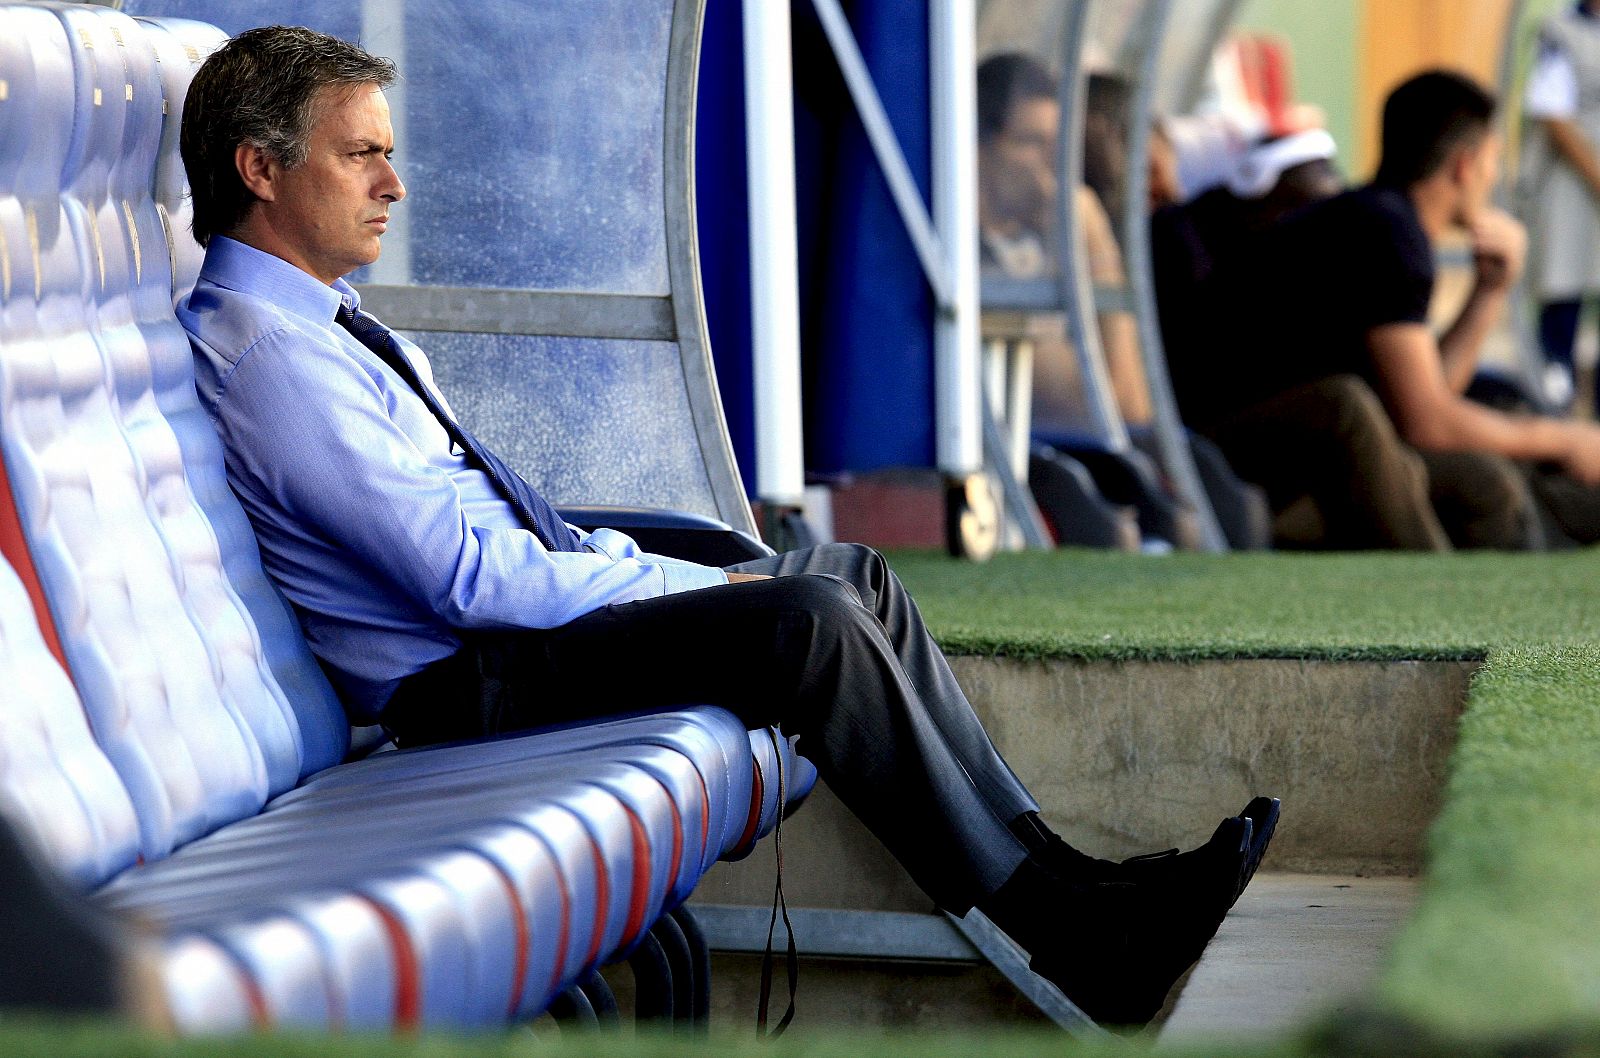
x,y
1296,947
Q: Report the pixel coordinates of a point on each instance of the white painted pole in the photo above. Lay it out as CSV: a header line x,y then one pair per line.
x,y
774,254
954,110
383,32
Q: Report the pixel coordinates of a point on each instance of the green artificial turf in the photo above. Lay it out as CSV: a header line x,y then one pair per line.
x,y
49,1040
1507,938
1098,605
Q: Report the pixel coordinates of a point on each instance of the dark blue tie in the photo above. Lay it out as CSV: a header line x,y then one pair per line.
x,y
534,510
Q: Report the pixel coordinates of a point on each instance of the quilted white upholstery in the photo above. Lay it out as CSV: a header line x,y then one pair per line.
x,y
54,780
451,887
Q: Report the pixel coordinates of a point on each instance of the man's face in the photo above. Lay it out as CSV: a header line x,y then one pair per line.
x,y
329,213
1017,166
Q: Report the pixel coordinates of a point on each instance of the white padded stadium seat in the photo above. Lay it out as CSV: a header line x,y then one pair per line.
x,y
159,701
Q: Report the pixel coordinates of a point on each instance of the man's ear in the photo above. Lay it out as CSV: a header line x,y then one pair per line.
x,y
258,170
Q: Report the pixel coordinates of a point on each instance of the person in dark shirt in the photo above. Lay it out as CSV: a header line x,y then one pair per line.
x,y
1193,241
1333,304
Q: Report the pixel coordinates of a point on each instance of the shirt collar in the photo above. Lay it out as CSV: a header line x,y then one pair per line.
x,y
239,266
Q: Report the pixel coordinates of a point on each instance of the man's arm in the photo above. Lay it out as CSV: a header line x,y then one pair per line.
x,y
1499,247
1551,99
1575,149
1430,415
337,472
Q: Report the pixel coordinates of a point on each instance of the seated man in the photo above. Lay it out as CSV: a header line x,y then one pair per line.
x,y
445,597
1019,114
1344,442
1340,292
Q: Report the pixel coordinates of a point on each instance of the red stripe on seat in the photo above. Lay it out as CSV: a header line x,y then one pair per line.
x,y
407,974
705,813
676,860
519,975
602,902
758,795
260,1016
14,545
565,936
641,879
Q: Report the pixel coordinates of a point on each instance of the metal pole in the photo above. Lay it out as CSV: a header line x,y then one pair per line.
x,y
958,388
1171,437
1077,287
774,256
1192,85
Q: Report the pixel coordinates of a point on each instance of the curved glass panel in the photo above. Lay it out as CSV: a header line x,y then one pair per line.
x,y
1020,47
532,400
1193,30
529,136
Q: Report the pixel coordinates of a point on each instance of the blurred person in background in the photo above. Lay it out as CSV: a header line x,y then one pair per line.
x,y
1561,183
1341,291
1019,121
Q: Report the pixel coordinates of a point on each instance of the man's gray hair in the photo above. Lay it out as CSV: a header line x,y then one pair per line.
x,y
261,88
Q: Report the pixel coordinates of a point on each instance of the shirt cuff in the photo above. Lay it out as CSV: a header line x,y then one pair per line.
x,y
687,576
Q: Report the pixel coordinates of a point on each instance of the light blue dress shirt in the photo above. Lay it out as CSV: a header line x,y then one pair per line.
x,y
381,536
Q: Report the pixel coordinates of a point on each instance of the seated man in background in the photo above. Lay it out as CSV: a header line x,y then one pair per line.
x,y
1340,292
444,596
1346,444
1019,119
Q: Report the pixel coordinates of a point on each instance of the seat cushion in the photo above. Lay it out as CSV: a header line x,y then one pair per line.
x,y
472,882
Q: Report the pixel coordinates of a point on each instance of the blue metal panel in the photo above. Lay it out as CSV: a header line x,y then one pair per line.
x,y
867,313
723,193
869,342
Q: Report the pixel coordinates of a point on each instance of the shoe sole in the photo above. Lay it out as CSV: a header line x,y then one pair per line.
x,y
1262,812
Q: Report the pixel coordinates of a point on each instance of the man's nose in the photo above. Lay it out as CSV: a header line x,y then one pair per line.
x,y
391,187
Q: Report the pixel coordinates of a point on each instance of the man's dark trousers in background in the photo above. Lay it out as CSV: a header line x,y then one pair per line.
x,y
833,648
1333,440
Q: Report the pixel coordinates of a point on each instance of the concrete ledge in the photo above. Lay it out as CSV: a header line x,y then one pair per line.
x,y
1130,757
1126,757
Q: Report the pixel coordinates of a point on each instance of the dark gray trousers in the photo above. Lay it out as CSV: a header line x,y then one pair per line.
x,y
833,648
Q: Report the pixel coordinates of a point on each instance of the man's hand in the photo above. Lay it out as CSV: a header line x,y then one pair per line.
x,y
1583,455
1499,248
742,578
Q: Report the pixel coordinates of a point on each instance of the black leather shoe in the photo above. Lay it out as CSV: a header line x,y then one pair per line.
x,y
1070,865
1126,943
1263,814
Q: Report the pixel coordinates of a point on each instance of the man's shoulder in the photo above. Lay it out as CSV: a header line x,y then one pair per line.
x,y
245,295
1368,223
229,323
1368,203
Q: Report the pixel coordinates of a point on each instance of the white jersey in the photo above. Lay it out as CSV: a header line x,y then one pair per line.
x,y
1562,211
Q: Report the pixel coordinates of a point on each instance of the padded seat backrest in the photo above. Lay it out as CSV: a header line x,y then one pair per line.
x,y
55,782
194,677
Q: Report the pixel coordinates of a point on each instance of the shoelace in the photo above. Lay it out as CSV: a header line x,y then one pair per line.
x,y
779,904
1146,857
